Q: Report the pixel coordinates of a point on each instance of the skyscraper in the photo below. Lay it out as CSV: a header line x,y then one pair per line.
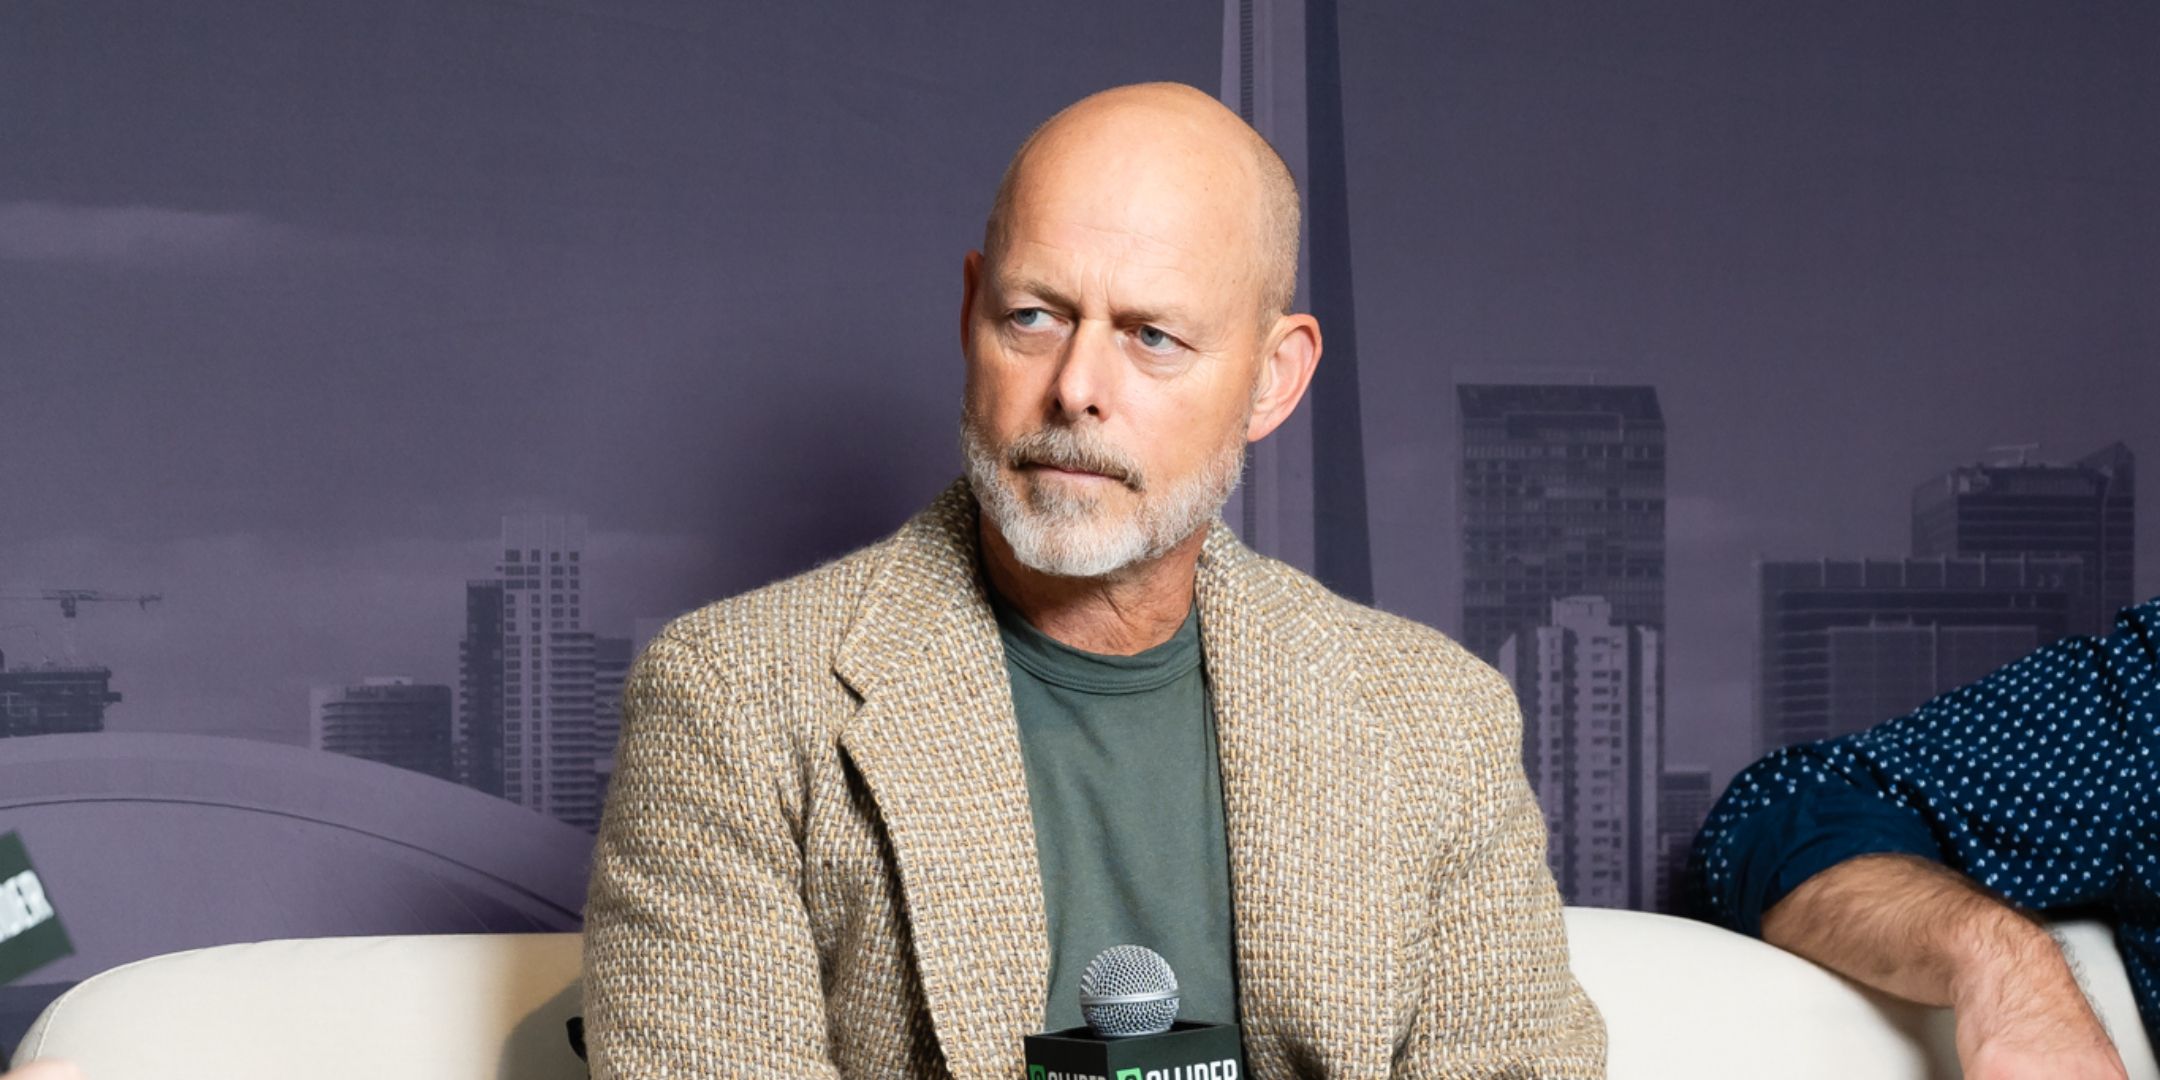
x,y
1342,543
389,719
1264,68
54,699
2087,509
1685,797
533,743
1848,643
1593,710
561,775
1562,494
478,753
1303,499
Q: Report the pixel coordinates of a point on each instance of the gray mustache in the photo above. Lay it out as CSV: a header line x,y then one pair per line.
x,y
1065,448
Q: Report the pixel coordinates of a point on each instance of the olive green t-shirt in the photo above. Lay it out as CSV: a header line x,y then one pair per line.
x,y
1126,792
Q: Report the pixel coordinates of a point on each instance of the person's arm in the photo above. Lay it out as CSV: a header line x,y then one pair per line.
x,y
1926,933
2017,780
1499,998
699,960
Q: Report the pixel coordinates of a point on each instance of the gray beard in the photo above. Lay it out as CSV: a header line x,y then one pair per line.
x,y
1056,532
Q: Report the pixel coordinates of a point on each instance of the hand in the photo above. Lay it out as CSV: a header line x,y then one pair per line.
x,y
45,1070
1929,935
2024,1017
2026,1052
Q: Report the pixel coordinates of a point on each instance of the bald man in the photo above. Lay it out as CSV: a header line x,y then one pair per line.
x,y
873,821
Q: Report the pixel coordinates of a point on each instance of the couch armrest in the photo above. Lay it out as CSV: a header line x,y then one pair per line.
x,y
435,1007
1685,1000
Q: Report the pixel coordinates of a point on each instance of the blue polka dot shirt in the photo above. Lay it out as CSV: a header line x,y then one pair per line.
x,y
2039,781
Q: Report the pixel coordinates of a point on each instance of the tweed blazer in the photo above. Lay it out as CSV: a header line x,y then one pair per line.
x,y
817,857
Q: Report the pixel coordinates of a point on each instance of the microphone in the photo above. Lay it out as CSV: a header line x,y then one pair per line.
x,y
1128,990
1129,998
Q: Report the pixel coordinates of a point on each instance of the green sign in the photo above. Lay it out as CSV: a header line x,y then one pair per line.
x,y
30,932
1187,1049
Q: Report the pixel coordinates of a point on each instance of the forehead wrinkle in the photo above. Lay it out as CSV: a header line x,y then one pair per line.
x,y
1111,281
1095,215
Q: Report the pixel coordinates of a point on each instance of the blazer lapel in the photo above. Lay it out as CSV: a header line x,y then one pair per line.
x,y
936,742
1306,793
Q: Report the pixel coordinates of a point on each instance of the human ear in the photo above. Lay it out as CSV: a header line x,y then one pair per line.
x,y
1286,369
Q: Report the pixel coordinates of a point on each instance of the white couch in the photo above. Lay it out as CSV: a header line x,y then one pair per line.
x,y
1682,1000
1685,999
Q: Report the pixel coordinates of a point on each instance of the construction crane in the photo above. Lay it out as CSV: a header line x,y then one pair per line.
x,y
69,599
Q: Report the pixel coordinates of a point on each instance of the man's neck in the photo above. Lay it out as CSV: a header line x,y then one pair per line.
x,y
1130,611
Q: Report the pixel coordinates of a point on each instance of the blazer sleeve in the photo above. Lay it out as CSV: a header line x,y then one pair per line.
x,y
1500,1000
698,954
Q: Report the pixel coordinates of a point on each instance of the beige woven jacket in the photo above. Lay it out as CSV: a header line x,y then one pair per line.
x,y
817,857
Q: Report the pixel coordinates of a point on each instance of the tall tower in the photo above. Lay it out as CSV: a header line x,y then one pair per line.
x,y
1593,727
1685,797
1849,643
1562,494
478,754
2085,510
528,678
1303,499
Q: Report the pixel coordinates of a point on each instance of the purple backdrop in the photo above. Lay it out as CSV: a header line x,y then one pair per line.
x,y
298,302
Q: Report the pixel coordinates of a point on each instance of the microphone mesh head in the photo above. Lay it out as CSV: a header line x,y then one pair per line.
x,y
1128,990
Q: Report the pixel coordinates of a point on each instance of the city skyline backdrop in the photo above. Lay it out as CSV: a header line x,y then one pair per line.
x,y
278,360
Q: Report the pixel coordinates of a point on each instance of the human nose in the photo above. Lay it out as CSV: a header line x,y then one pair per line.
x,y
1087,376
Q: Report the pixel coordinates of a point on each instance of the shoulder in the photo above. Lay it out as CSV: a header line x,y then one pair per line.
x,y
1441,722
1403,667
741,691
2136,636
1388,646
807,615
786,621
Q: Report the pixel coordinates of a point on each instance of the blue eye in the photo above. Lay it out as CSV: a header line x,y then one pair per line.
x,y
1153,338
1029,318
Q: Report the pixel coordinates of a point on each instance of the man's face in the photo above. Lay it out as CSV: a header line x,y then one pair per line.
x,y
1112,350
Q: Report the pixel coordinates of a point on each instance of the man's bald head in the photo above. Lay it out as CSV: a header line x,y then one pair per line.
x,y
1126,330
1218,151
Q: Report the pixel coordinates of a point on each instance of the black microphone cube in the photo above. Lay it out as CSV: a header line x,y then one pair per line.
x,y
1188,1051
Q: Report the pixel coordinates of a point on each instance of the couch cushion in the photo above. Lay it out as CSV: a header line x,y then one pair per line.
x,y
439,1007
1681,1000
